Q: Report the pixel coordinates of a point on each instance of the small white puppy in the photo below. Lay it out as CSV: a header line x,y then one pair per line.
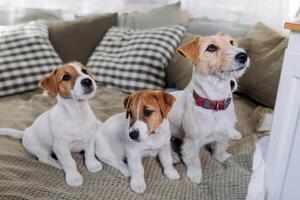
x,y
145,133
204,112
70,126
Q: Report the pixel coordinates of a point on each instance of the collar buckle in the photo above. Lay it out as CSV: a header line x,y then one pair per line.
x,y
217,105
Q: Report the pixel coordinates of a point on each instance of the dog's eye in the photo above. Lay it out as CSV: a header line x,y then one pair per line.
x,y
66,77
211,48
84,71
147,112
231,42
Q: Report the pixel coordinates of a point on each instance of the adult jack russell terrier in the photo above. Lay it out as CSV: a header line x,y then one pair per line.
x,y
204,112
70,126
145,133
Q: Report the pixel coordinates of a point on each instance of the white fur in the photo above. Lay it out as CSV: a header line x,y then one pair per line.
x,y
198,126
70,126
113,145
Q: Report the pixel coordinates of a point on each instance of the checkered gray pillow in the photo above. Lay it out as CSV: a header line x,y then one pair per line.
x,y
132,60
26,55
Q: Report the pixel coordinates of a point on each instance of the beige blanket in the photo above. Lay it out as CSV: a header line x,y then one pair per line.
x,y
23,177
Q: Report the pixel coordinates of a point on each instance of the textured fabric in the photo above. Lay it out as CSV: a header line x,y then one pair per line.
x,y
132,60
22,176
162,16
76,40
265,48
26,55
179,70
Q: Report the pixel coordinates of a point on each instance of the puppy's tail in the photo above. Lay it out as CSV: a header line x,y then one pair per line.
x,y
11,132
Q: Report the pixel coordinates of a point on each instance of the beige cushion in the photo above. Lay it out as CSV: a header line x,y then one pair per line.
x,y
76,40
179,70
265,48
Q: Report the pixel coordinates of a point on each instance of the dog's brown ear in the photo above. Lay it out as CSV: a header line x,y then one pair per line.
x,y
191,50
221,33
126,104
49,82
165,102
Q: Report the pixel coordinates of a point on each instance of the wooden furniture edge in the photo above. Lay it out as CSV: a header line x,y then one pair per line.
x,y
293,26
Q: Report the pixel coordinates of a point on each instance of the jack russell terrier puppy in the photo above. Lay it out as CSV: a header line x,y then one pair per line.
x,y
143,130
204,112
70,126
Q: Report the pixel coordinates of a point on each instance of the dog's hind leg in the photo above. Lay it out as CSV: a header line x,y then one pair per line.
x,y
190,156
219,150
121,166
45,157
115,163
43,154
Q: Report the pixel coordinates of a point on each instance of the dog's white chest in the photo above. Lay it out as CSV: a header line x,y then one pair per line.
x,y
75,130
208,124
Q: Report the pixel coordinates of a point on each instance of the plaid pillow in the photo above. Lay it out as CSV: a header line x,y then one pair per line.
x,y
26,55
133,60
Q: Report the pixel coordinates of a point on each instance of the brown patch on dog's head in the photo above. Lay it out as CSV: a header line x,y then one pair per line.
x,y
210,54
150,106
62,79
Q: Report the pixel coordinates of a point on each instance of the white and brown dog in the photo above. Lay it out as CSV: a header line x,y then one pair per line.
x,y
204,112
70,126
145,133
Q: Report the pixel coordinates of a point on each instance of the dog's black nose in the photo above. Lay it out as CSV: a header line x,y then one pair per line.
x,y
134,134
241,57
86,82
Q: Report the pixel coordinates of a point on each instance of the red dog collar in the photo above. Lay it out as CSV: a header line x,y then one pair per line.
x,y
210,104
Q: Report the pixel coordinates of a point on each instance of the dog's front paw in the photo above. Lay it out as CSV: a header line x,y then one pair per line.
x,y
195,175
138,185
172,174
94,165
235,135
221,157
74,179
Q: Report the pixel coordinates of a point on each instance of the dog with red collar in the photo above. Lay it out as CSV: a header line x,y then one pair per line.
x,y
204,112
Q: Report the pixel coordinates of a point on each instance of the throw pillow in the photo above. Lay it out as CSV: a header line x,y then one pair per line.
x,y
133,60
26,55
76,40
265,48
